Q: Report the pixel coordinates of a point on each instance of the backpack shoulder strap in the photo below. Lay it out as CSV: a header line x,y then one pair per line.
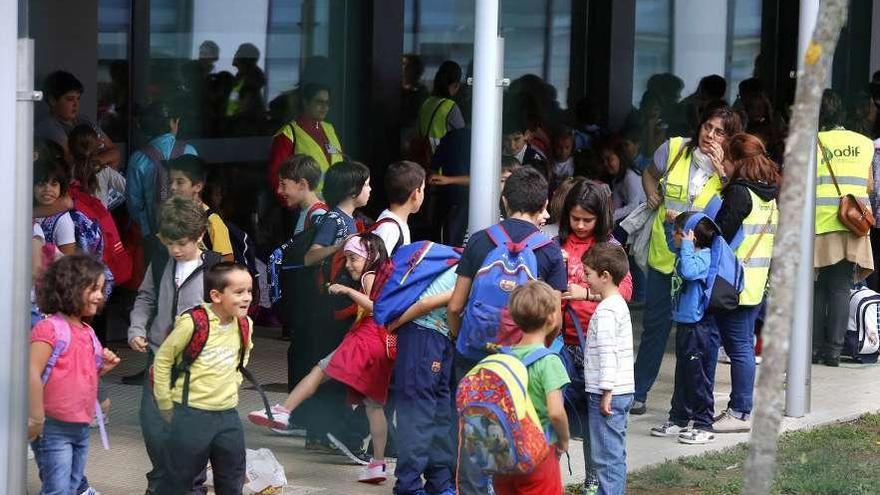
x,y
577,326
195,346
244,330
311,211
536,356
536,240
178,149
153,154
498,235
399,229
62,341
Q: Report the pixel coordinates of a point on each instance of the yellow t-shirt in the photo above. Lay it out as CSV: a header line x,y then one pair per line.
x,y
218,234
214,376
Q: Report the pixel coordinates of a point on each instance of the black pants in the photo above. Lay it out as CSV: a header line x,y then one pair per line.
x,y
831,308
874,278
696,354
197,436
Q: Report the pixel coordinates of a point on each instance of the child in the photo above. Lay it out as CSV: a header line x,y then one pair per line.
x,y
608,367
51,182
172,284
696,337
509,165
360,361
188,174
298,179
405,189
535,308
63,392
423,392
204,423
95,178
585,221
516,144
563,164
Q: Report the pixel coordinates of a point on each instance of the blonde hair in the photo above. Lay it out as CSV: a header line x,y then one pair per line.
x,y
531,305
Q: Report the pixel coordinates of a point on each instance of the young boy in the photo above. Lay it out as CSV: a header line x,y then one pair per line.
x,y
298,180
608,367
405,188
172,284
204,424
516,144
536,309
188,175
696,336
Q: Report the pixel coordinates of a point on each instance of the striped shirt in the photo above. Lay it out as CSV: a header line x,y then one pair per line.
x,y
608,358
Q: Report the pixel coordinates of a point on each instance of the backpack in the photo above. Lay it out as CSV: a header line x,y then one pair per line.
x,y
115,256
400,282
726,277
195,346
282,258
88,235
163,182
506,267
244,252
499,428
862,340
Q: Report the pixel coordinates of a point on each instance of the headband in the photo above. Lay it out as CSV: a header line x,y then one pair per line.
x,y
355,246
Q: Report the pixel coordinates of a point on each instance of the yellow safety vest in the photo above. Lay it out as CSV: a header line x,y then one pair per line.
x,y
303,144
432,118
234,104
850,155
756,248
676,197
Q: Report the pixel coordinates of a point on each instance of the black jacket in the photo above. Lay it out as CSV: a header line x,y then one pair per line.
x,y
737,204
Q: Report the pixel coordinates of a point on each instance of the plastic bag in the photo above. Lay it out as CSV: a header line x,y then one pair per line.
x,y
264,475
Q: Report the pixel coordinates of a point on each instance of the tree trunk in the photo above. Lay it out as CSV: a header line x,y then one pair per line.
x,y
760,466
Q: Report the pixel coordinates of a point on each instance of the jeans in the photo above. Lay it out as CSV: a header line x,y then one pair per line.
x,y
470,480
657,322
424,402
737,330
696,356
831,308
608,442
61,453
575,397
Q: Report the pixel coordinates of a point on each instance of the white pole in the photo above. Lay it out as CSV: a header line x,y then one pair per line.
x,y
800,353
486,112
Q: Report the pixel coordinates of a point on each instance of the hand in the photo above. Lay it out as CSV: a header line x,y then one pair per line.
x,y
392,327
138,344
440,180
671,215
689,236
111,360
166,415
716,153
35,428
337,289
654,200
605,403
561,447
576,293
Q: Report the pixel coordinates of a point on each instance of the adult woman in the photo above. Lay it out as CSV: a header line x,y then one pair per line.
x,y
747,219
308,134
690,172
439,113
841,257
626,186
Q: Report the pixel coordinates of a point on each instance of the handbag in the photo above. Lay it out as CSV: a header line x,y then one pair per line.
x,y
855,216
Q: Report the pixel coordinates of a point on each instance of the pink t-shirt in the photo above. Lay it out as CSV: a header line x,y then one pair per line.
x,y
72,389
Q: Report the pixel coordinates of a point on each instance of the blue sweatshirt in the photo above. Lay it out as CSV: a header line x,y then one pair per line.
x,y
691,269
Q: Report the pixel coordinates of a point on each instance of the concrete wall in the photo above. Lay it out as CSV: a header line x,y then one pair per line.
x,y
66,34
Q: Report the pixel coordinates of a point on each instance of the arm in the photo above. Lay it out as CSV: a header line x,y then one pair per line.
x,y
219,234
626,287
633,193
456,304
606,342
420,308
39,356
144,307
455,119
693,265
136,191
281,149
450,180
735,207
172,347
558,418
360,298
318,253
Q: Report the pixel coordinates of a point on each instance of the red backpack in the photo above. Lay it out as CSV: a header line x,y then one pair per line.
x,y
116,256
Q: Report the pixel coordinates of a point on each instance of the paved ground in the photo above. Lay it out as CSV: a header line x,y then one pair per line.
x,y
838,394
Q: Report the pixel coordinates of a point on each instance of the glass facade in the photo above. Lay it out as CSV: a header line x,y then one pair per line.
x,y
653,43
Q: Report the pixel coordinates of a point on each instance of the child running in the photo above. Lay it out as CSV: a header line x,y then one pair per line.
x,y
360,361
65,361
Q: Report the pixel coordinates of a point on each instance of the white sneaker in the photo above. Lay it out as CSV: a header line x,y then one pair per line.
x,y
288,432
668,429
280,416
374,473
758,359
696,437
726,423
30,454
90,491
362,459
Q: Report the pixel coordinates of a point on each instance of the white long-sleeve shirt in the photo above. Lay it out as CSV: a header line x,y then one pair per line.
x,y
608,358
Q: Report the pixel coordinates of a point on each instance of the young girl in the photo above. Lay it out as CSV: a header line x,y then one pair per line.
x,y
360,362
63,385
585,221
94,177
51,182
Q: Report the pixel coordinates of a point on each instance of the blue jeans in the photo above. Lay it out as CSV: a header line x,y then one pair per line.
x,y
737,330
608,442
696,356
61,453
657,322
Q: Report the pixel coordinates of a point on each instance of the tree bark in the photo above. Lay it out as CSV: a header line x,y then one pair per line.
x,y
760,467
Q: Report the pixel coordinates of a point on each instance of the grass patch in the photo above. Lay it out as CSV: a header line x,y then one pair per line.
x,y
837,459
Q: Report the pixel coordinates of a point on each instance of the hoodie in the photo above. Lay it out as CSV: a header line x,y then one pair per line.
x,y
737,204
691,268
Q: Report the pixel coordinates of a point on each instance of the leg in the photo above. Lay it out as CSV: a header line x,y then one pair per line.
x,y
378,429
79,456
608,443
441,457
839,285
820,308
702,373
188,448
228,454
155,432
657,322
53,452
305,388
680,412
737,329
575,396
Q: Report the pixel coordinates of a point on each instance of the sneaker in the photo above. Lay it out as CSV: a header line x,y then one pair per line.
x,y
638,408
321,446
360,457
280,416
696,437
293,431
373,473
591,487
832,361
90,491
758,359
668,429
30,454
727,423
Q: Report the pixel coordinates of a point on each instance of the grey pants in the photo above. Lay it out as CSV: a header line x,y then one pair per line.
x,y
831,308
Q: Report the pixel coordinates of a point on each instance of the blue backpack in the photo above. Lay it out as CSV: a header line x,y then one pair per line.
x,y
408,273
726,277
505,268
89,239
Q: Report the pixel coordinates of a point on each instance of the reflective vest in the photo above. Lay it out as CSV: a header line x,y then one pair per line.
x,y
758,231
234,104
432,118
850,155
676,197
303,144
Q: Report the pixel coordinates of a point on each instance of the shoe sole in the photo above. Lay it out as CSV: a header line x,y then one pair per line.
x,y
285,432
266,422
348,453
695,442
665,435
735,430
374,481
637,412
